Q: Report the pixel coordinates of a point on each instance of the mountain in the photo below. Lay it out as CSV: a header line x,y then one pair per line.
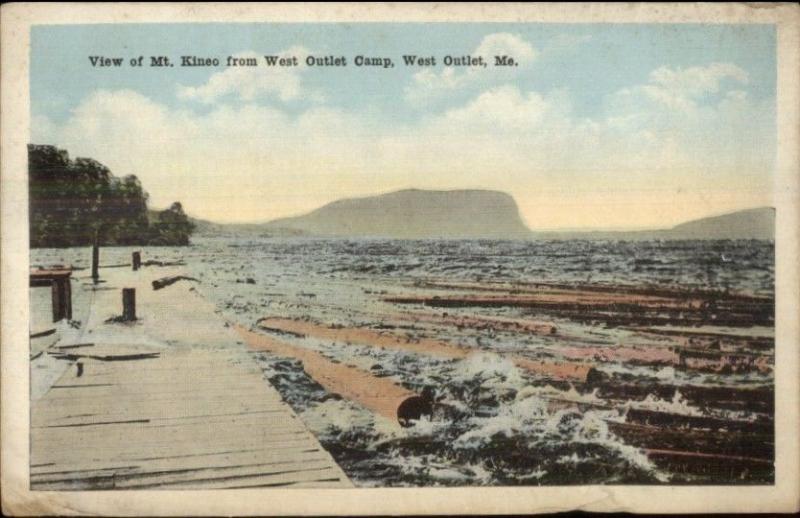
x,y
756,223
744,224
203,227
415,214
420,214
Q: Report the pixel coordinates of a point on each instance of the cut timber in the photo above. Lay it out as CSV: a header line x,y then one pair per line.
x,y
613,289
759,399
733,444
561,371
481,322
377,394
105,358
642,355
151,262
40,334
613,305
722,469
167,281
715,361
723,342
360,335
675,421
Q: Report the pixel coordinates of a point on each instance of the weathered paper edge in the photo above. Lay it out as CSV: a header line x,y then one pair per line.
x,y
16,20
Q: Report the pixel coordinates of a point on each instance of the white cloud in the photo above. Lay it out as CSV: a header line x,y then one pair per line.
x,y
503,43
640,163
681,88
251,83
427,84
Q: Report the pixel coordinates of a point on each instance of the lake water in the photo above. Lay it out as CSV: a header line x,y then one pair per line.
x,y
497,424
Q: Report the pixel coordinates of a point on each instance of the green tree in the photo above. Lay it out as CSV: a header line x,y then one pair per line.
x,y
173,227
80,202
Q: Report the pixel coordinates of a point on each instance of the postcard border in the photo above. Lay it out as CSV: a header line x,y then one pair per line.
x,y
18,500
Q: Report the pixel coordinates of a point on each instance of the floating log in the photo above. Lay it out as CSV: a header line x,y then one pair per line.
x,y
75,346
714,361
167,281
363,336
752,399
721,469
712,340
642,355
737,444
151,262
104,358
379,395
616,289
561,371
616,308
41,334
482,322
674,421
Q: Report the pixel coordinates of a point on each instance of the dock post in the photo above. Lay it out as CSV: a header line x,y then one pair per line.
x,y
66,294
55,294
95,262
128,304
61,295
136,260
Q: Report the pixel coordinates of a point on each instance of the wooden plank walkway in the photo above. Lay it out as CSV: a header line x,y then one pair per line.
x,y
189,418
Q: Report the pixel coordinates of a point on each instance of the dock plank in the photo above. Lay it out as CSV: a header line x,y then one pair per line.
x,y
185,416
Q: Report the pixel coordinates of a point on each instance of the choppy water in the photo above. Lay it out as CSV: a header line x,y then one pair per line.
x,y
498,425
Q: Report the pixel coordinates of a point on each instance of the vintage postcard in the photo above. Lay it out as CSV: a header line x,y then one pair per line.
x,y
380,259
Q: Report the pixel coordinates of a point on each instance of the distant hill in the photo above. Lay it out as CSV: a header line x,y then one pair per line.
x,y
420,214
415,214
744,224
756,223
205,228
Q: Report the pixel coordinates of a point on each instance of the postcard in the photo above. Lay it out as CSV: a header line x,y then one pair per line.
x,y
399,259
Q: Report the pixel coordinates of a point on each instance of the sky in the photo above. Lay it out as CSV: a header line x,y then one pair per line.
x,y
599,126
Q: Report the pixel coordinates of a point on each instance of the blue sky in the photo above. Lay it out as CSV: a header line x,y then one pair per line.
x,y
612,125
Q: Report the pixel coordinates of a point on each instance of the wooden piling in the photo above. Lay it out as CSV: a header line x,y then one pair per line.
x,y
60,290
128,304
62,298
136,260
95,262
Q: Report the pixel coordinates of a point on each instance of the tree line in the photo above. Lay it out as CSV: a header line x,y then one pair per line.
x,y
80,202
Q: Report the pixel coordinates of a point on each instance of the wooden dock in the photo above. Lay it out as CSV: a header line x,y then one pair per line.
x,y
162,412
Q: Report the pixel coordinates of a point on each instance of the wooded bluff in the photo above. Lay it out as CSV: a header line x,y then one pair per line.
x,y
79,202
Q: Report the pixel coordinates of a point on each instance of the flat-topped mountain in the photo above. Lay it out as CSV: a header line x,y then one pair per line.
x,y
474,214
415,214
